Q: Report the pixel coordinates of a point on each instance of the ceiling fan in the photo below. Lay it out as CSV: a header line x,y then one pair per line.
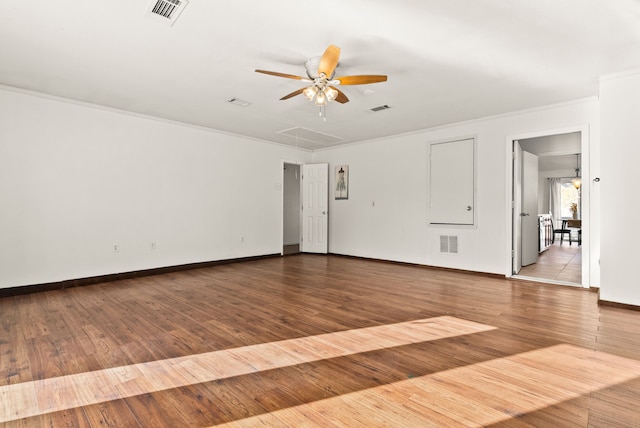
x,y
320,73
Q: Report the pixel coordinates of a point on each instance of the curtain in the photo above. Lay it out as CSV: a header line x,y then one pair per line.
x,y
555,188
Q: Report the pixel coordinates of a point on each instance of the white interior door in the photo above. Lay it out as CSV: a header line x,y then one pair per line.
x,y
315,206
517,208
529,213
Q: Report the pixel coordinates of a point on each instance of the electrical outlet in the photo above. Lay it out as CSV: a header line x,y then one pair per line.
x,y
154,245
116,248
242,239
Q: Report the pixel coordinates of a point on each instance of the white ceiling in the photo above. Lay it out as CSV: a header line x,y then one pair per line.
x,y
557,153
446,60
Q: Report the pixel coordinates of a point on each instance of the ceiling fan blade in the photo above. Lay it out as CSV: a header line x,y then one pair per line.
x,y
288,76
341,98
292,94
329,61
361,80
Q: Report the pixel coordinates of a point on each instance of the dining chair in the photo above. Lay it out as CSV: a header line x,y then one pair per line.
x,y
562,231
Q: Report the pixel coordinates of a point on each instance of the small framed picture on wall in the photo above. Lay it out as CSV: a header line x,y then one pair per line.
x,y
342,182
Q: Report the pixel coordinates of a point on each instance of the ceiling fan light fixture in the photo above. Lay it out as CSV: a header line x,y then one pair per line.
x,y
310,92
321,72
321,99
330,93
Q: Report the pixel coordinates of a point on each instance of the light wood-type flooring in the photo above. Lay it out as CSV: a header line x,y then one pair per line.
x,y
558,263
313,340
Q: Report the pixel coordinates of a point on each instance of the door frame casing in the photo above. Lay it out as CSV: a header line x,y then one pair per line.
x,y
585,195
516,206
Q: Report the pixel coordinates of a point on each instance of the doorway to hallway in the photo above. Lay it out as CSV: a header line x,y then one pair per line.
x,y
537,201
291,200
305,208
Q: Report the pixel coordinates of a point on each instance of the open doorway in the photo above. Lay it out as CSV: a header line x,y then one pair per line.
x,y
308,235
547,214
291,209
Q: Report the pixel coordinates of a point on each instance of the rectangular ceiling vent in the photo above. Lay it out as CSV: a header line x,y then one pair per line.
x,y
238,102
165,11
380,108
449,244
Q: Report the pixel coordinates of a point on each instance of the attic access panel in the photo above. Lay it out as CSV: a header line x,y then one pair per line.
x,y
316,138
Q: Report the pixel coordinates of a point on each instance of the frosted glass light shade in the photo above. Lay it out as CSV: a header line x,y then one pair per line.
x,y
310,92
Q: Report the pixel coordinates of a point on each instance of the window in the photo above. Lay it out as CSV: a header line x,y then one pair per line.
x,y
569,200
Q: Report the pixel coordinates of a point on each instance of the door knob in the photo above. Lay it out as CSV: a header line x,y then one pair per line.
x,y
524,214
468,207
324,212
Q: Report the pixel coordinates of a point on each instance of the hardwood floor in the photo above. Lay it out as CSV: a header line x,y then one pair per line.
x,y
558,263
310,340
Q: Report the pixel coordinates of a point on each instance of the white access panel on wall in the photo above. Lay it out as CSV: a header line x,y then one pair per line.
x,y
315,206
452,182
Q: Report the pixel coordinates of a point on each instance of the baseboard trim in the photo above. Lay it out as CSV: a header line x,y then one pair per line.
x,y
79,282
618,305
395,262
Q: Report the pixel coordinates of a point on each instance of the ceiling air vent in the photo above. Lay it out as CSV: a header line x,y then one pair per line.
x,y
166,11
380,108
238,102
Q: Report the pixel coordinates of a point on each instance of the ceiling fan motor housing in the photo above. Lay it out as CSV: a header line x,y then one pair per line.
x,y
311,66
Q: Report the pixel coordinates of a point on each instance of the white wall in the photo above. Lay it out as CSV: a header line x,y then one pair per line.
x,y
620,157
75,180
386,214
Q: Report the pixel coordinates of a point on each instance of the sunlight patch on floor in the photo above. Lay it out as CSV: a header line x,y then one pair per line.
x,y
34,398
478,395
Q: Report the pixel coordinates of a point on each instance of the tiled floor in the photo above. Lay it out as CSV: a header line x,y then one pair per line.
x,y
558,263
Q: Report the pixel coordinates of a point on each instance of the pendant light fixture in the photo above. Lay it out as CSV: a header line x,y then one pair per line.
x,y
577,181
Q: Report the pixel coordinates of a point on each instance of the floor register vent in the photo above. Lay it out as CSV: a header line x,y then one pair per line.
x,y
448,244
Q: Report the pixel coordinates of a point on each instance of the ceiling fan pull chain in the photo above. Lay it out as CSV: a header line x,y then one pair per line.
x,y
322,113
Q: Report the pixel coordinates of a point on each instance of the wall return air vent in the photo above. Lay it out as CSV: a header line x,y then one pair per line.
x,y
448,244
165,11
